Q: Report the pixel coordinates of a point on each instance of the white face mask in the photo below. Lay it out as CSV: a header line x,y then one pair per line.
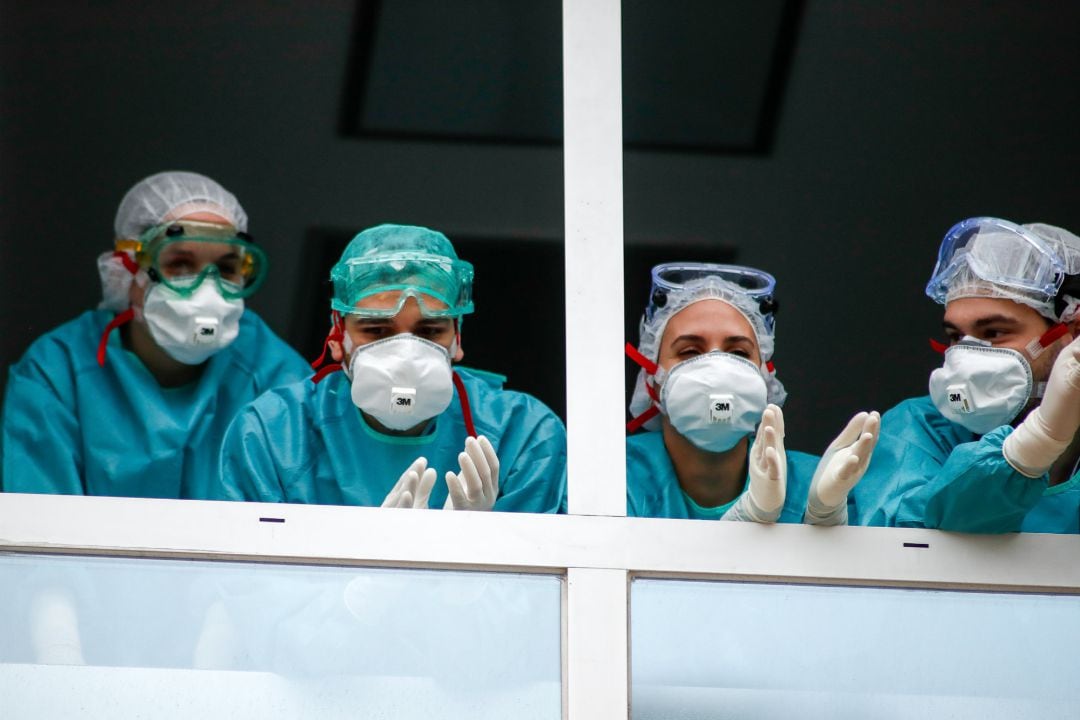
x,y
714,399
981,387
401,380
191,329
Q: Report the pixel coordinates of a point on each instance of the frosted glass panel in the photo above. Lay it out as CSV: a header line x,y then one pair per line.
x,y
107,638
727,650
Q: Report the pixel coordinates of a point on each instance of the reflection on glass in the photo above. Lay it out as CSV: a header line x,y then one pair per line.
x,y
93,637
711,650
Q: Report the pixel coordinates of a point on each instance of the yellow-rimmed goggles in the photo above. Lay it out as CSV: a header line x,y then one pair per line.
x,y
182,254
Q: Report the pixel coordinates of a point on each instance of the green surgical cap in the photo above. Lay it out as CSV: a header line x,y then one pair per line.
x,y
416,261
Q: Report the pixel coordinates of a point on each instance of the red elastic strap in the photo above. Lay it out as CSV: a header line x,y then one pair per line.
x,y
646,364
641,419
325,370
466,411
1053,334
652,391
131,265
770,367
337,334
121,319
938,347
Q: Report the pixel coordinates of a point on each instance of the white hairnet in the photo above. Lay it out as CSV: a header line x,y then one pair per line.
x,y
172,195
707,288
153,200
1009,258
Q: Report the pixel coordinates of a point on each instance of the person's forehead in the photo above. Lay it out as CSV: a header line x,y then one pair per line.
x,y
973,309
708,318
205,216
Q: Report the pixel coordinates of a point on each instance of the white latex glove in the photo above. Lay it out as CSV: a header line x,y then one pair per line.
x,y
840,469
413,488
477,485
1048,429
768,473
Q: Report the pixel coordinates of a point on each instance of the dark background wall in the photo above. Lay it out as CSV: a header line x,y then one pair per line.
x,y
897,120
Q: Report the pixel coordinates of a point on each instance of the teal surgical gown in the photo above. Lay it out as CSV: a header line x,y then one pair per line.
x,y
929,472
308,443
76,428
653,490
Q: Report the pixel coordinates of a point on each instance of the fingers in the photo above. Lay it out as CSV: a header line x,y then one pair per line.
x,y
772,466
777,419
406,485
458,499
480,462
423,491
492,459
851,431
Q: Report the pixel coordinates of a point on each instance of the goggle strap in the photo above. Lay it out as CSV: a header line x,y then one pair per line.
x,y
641,419
325,370
938,347
466,410
121,319
646,364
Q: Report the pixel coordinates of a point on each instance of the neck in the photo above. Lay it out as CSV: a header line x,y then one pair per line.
x,y
710,479
414,431
167,370
1062,469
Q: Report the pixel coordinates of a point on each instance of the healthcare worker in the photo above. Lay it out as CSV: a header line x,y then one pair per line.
x,y
133,398
392,422
706,385
994,446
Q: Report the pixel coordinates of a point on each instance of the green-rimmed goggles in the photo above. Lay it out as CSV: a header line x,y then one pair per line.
x,y
181,255
379,286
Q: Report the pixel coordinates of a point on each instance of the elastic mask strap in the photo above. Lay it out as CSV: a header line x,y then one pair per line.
x,y
466,410
325,370
121,319
650,369
337,333
129,264
1036,347
938,347
646,364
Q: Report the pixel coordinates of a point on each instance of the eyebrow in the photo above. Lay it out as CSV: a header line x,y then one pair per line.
x,y
983,322
700,339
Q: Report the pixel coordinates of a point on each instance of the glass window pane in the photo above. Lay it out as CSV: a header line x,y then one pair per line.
x,y
202,639
709,650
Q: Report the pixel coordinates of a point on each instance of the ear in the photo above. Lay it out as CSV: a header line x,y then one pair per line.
x,y
459,353
336,350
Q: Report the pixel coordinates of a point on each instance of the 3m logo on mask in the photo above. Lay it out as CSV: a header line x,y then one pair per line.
x,y
402,400
205,330
720,408
958,398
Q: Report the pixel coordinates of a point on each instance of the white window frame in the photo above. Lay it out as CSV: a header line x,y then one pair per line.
x,y
597,549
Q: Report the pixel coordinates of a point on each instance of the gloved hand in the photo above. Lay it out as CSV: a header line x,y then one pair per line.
x,y
1048,429
476,487
768,473
413,488
840,469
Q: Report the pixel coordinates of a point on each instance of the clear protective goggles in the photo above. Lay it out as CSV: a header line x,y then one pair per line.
x,y
441,286
181,255
1000,253
672,278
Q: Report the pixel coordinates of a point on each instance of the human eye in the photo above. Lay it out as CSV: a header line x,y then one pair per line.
x,y
179,266
740,352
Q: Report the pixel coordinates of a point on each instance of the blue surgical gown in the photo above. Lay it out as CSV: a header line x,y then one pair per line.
x,y
929,472
308,443
73,427
653,490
